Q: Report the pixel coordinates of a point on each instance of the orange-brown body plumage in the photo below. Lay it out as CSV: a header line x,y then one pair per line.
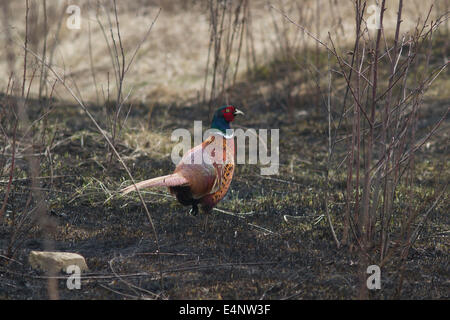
x,y
203,175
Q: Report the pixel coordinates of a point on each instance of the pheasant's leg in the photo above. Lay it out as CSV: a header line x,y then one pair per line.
x,y
194,210
205,223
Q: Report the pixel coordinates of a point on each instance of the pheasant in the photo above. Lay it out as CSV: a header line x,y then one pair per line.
x,y
206,181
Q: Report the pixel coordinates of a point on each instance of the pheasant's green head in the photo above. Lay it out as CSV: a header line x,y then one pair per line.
x,y
223,116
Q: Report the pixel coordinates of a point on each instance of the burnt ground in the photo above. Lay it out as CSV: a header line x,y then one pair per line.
x,y
272,241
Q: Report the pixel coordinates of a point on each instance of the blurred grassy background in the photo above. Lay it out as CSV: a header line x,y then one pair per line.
x,y
170,65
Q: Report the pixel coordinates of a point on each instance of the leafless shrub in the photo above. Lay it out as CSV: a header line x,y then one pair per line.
x,y
21,142
115,113
227,27
386,80
384,140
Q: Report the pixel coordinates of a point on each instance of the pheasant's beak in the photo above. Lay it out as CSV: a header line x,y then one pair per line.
x,y
237,111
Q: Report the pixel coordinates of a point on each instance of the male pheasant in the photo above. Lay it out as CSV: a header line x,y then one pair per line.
x,y
202,182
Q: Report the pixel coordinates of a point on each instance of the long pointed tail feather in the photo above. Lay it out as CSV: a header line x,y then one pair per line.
x,y
170,180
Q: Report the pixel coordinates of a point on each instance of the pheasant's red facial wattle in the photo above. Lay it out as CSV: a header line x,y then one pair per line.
x,y
228,113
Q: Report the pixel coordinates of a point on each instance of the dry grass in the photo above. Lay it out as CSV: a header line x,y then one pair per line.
x,y
171,63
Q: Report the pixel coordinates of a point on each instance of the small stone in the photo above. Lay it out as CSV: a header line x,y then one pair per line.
x,y
56,261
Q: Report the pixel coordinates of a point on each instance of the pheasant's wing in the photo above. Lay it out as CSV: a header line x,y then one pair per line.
x,y
198,169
